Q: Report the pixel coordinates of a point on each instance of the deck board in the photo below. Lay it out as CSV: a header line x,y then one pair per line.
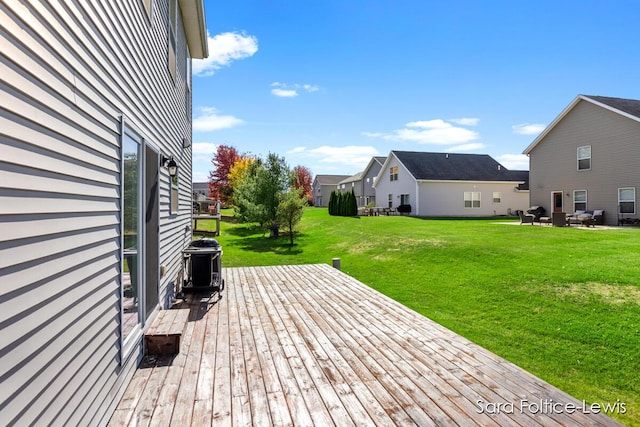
x,y
309,345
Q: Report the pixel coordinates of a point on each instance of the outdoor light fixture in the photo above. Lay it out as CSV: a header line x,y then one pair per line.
x,y
186,143
171,165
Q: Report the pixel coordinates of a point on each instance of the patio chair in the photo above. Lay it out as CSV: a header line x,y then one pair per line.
x,y
526,218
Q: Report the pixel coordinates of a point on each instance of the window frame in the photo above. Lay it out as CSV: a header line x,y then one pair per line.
x,y
621,200
174,195
579,158
497,199
404,199
393,173
576,202
472,198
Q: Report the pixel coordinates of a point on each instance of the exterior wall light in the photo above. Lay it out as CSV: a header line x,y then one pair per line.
x,y
171,165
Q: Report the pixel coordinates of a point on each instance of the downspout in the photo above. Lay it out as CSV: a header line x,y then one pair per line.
x,y
417,198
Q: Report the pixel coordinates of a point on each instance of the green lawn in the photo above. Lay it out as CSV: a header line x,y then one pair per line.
x,y
563,303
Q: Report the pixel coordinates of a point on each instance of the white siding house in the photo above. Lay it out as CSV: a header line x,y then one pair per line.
x,y
95,99
447,184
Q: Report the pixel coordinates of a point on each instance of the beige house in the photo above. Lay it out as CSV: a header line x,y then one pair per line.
x,y
95,200
450,184
322,187
587,159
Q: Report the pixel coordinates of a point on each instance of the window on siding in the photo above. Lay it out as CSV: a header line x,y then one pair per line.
x,y
497,197
173,184
131,231
471,199
584,158
580,200
173,19
393,173
627,200
404,199
390,200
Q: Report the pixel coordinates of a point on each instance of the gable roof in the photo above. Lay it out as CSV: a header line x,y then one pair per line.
x,y
456,167
629,108
352,178
329,179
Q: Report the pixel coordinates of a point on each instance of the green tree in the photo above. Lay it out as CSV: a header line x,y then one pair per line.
x,y
246,206
258,193
290,209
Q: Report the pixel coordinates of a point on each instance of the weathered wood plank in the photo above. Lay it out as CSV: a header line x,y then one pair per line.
x,y
308,345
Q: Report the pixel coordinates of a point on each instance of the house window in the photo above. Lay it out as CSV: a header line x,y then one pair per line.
x,y
390,199
131,231
471,199
173,20
393,173
627,200
404,199
173,184
497,197
580,200
584,158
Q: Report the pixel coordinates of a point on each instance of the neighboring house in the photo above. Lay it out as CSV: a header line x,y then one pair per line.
x,y
353,183
587,158
322,187
95,104
368,177
448,184
201,196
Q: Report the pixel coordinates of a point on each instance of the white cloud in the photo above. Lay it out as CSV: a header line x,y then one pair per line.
x,y
514,161
204,150
224,48
284,93
528,128
437,132
467,121
354,156
284,90
295,150
210,120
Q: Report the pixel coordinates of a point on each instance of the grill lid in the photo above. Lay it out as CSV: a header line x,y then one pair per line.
x,y
205,243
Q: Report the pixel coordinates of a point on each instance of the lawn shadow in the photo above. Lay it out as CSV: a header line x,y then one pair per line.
x,y
279,246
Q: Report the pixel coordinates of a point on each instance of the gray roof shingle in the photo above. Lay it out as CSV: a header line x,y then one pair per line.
x,y
457,167
629,106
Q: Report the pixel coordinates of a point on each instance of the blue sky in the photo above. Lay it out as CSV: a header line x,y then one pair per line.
x,y
329,83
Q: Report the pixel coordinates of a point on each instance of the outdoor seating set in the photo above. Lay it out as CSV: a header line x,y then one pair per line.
x,y
561,219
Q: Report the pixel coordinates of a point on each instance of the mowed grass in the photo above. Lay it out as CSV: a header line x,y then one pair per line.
x,y
562,303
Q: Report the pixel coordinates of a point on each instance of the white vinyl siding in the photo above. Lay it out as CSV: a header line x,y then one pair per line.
x,y
71,71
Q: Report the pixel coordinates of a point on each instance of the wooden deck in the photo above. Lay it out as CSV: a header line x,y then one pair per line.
x,y
309,345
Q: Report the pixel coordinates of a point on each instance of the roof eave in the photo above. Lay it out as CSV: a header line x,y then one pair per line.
x,y
195,27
